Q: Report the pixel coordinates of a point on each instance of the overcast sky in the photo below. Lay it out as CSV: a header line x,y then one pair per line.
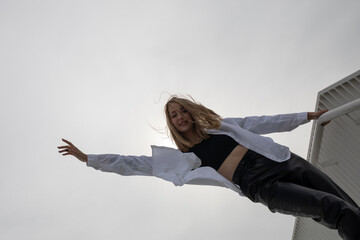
x,y
98,74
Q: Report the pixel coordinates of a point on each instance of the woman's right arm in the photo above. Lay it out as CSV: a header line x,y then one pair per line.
x,y
123,165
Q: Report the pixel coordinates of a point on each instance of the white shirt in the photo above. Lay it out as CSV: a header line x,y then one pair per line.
x,y
184,168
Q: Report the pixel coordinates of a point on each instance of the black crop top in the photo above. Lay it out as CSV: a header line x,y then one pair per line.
x,y
214,150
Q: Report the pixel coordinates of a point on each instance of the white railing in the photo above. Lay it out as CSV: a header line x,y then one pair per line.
x,y
330,115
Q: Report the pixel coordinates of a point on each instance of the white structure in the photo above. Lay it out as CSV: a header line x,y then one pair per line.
x,y
335,149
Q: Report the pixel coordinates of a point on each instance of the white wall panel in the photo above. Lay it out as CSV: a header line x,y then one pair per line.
x,y
339,154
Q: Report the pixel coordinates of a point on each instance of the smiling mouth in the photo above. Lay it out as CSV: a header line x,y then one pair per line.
x,y
182,123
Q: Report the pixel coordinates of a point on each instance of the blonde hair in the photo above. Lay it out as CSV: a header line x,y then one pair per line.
x,y
203,118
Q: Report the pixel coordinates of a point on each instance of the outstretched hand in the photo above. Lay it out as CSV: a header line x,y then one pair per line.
x,y
316,115
70,149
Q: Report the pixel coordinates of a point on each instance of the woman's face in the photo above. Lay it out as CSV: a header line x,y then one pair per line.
x,y
180,118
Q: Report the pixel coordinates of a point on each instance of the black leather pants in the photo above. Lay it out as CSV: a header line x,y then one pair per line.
x,y
298,188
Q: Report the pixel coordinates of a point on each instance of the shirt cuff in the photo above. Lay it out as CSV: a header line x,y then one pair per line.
x,y
303,117
92,161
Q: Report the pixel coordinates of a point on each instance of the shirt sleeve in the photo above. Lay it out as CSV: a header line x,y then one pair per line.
x,y
270,124
120,164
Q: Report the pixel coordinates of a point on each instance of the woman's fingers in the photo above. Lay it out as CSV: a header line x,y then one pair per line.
x,y
67,142
320,112
72,150
325,123
68,148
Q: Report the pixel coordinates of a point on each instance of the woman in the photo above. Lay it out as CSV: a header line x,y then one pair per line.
x,y
231,153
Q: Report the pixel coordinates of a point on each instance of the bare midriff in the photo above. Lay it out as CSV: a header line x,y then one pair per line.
x,y
228,167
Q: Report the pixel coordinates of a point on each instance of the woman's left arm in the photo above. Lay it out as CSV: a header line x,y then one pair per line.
x,y
276,123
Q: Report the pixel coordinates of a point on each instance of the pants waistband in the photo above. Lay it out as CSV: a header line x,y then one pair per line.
x,y
248,159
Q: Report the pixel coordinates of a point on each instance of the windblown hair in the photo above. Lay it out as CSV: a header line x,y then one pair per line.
x,y
203,118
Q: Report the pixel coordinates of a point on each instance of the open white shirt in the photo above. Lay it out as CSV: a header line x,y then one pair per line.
x,y
184,168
